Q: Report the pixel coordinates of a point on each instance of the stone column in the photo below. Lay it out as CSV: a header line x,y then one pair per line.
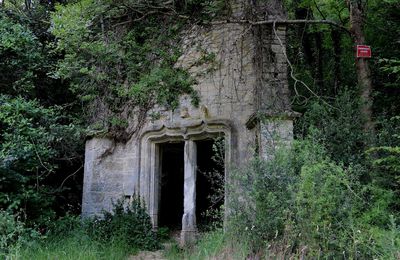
x,y
189,228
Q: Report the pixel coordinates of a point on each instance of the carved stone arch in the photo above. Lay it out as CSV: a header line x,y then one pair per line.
x,y
149,147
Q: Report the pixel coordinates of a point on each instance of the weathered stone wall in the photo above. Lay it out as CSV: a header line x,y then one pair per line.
x,y
240,72
226,84
109,174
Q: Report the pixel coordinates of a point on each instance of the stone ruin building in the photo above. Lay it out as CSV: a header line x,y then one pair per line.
x,y
244,99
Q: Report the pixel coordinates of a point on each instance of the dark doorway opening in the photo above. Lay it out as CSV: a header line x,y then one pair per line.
x,y
210,182
171,185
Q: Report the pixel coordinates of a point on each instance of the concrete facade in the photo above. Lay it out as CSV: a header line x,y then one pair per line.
x,y
244,96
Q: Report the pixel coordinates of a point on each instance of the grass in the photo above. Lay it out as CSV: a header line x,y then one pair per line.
x,y
74,246
211,245
77,245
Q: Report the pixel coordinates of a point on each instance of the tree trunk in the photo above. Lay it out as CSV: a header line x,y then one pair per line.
x,y
319,65
357,15
336,40
304,13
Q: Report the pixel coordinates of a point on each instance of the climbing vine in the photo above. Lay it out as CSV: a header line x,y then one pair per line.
x,y
119,58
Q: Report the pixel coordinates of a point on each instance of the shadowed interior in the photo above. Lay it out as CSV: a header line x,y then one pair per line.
x,y
172,175
210,180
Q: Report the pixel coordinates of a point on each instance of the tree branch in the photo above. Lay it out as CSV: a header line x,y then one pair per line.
x,y
272,22
72,174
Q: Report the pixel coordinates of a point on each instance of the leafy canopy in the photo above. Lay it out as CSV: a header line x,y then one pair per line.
x,y
120,59
19,57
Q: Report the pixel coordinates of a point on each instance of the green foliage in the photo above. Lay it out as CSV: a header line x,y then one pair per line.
x,y
76,245
307,204
19,57
31,138
124,70
389,158
13,235
114,235
381,31
392,67
385,158
337,215
27,57
69,239
129,225
39,130
338,126
210,245
262,199
344,200
324,203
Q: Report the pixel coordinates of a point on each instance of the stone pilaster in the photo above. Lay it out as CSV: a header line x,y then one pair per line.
x,y
189,228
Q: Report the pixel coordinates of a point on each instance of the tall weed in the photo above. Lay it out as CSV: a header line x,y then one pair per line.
x,y
114,235
303,203
14,235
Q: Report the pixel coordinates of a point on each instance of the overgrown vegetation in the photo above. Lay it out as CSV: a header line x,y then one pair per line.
x,y
312,202
40,130
114,235
71,68
214,244
33,139
214,214
120,57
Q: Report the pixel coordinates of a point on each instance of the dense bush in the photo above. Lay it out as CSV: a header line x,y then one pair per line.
x,y
337,126
127,224
385,157
324,207
40,137
13,235
31,144
115,235
320,210
323,196
19,57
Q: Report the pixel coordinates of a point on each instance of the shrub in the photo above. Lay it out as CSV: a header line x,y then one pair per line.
x,y
323,207
114,235
259,211
13,234
64,226
127,224
338,127
385,158
32,140
301,202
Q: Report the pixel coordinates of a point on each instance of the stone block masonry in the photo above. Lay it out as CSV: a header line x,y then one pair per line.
x,y
244,83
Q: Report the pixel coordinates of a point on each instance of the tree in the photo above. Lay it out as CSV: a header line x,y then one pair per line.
x,y
39,129
357,18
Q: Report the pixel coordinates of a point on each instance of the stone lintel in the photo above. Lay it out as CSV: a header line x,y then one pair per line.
x,y
188,124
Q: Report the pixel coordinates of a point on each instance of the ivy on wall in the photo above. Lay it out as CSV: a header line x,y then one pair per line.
x,y
120,60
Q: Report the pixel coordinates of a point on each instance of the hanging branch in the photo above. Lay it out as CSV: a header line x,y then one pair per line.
x,y
296,80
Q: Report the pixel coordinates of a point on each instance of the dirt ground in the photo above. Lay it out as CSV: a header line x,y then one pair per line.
x,y
148,255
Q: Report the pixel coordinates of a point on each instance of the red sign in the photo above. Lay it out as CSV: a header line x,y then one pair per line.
x,y
363,51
